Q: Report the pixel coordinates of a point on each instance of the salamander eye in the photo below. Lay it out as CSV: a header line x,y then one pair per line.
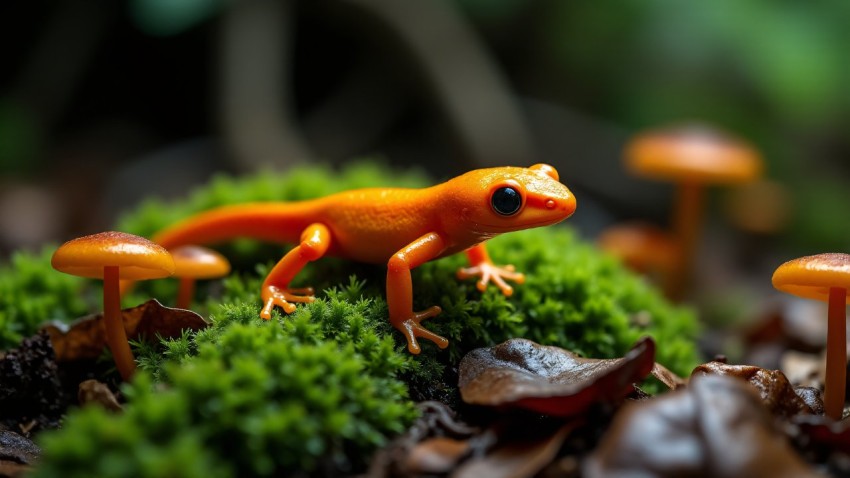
x,y
506,201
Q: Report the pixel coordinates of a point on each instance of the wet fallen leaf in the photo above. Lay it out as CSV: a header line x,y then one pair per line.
x,y
776,392
520,373
716,427
86,337
812,397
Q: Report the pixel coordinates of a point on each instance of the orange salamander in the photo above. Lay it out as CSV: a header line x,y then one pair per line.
x,y
401,228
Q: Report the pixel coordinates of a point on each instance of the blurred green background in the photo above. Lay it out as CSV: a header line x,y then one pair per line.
x,y
103,102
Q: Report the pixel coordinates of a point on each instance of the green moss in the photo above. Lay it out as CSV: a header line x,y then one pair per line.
x,y
256,401
32,292
573,297
326,385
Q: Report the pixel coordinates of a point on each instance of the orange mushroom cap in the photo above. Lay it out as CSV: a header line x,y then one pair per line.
x,y
136,257
198,262
692,153
811,277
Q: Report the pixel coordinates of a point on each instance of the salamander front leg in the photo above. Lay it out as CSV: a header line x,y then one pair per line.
x,y
315,241
400,291
486,271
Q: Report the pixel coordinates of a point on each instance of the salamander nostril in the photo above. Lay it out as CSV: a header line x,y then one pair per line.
x,y
550,204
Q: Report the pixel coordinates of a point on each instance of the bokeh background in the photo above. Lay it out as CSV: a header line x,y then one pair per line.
x,y
105,102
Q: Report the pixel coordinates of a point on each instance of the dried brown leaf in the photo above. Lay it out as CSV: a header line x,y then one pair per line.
x,y
716,427
93,392
436,455
86,338
436,440
517,458
520,373
667,377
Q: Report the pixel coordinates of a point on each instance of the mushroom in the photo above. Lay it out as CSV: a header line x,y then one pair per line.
x,y
111,256
196,262
691,156
824,277
642,247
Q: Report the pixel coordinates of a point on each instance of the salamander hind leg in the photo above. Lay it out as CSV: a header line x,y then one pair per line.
x,y
276,292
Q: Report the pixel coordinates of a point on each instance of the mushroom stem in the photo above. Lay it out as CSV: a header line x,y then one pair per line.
x,y
836,354
116,336
686,225
185,292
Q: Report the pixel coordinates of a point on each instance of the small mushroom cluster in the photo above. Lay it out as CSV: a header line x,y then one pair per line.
x,y
115,256
691,157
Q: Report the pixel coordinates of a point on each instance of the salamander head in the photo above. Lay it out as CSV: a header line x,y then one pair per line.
x,y
496,200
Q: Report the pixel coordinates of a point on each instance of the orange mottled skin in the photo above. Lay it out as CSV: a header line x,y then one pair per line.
x,y
401,228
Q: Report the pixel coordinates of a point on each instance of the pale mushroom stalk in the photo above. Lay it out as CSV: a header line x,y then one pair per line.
x,y
836,354
116,336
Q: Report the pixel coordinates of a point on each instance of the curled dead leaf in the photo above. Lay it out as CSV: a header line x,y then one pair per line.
x,y
93,392
520,457
716,427
667,377
86,337
432,445
773,387
520,373
436,455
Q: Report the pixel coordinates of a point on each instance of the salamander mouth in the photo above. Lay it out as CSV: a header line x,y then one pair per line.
x,y
525,225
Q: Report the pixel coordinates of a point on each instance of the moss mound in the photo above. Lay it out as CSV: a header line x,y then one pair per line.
x,y
31,292
256,401
319,390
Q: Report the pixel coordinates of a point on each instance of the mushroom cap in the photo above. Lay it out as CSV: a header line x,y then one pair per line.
x,y
198,262
692,153
811,277
640,246
136,257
